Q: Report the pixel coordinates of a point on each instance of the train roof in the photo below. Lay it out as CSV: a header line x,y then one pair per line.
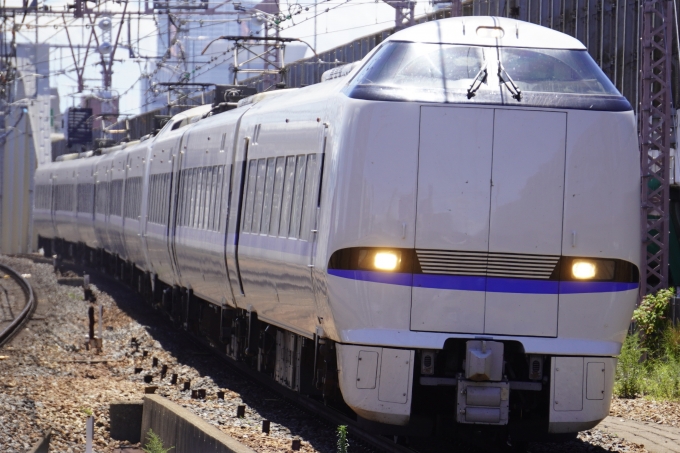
x,y
487,31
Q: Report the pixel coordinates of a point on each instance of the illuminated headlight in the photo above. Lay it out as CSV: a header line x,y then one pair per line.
x,y
583,270
386,261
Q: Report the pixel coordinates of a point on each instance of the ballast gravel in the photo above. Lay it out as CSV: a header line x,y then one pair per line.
x,y
50,381
647,410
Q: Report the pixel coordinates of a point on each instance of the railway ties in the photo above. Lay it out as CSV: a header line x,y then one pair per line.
x,y
16,302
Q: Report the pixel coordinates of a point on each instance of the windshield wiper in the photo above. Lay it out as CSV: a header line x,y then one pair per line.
x,y
477,82
506,80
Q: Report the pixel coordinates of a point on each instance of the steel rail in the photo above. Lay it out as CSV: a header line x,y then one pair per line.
x,y
10,330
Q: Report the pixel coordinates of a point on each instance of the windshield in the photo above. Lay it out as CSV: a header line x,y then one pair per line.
x,y
431,72
424,65
555,71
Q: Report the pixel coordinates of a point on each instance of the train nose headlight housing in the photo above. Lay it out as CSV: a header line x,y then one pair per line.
x,y
386,260
583,269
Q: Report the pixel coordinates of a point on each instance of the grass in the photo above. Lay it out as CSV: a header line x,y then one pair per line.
x,y
658,377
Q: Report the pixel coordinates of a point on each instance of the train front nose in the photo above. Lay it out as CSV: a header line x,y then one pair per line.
x,y
489,220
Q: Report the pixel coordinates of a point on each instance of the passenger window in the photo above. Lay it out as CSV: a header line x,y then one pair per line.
x,y
277,195
250,196
180,198
161,199
156,198
150,197
116,194
287,201
200,197
296,213
153,196
166,198
268,193
218,198
100,194
208,197
311,196
259,195
185,197
194,197
212,198
71,200
186,215
214,195
127,202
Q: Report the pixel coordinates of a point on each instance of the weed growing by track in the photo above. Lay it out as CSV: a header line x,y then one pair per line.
x,y
649,364
155,444
343,443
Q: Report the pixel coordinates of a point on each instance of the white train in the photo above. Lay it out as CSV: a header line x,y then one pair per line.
x,y
445,234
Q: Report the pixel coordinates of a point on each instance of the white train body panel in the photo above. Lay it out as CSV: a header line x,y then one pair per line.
x,y
43,223
117,176
200,226
134,205
103,201
486,203
276,243
65,200
86,202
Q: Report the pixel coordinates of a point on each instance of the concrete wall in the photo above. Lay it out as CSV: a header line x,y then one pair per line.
x,y
184,431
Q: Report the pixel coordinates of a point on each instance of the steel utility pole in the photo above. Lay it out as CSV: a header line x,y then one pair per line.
x,y
655,142
404,13
273,53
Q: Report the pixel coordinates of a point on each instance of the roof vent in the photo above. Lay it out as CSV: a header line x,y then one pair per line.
x,y
490,32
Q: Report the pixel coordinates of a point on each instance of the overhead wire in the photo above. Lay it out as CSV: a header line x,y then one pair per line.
x,y
173,65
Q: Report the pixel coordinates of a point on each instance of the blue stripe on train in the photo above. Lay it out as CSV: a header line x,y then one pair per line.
x,y
488,284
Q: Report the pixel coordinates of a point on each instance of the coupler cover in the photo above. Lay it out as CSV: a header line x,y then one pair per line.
x,y
484,403
484,360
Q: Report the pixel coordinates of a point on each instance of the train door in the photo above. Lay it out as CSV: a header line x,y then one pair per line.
x,y
489,220
525,234
53,224
318,275
238,180
452,221
176,158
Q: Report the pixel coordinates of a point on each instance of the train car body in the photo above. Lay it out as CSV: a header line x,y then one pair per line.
x,y
85,202
447,231
64,177
134,204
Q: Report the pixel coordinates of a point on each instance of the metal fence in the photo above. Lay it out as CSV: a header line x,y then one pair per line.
x,y
674,311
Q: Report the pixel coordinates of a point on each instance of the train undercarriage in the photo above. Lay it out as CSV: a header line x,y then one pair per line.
x,y
470,387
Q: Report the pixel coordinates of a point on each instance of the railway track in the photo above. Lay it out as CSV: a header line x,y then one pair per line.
x,y
17,301
362,441
367,441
